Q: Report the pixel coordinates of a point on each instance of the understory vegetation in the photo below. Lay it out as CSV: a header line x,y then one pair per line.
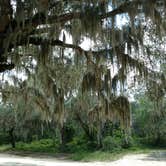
x,y
45,138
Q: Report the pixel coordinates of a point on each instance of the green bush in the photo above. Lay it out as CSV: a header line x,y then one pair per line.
x,y
44,145
68,132
112,143
128,142
4,139
77,144
81,143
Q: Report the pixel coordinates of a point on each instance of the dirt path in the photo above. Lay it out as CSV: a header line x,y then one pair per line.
x,y
157,158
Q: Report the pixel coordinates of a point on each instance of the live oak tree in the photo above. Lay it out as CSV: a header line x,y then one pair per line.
x,y
34,39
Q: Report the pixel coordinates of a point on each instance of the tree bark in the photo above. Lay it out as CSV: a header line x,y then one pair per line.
x,y
12,137
62,133
84,126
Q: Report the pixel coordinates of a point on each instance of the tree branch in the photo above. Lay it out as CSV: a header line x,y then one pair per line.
x,y
56,42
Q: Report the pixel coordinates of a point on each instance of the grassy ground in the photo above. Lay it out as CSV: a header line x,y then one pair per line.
x,y
48,147
45,146
107,156
4,148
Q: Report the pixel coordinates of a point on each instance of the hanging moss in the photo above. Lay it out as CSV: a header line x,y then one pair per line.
x,y
55,76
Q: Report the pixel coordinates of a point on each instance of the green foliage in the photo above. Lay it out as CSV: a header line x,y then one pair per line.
x,y
95,156
79,154
107,155
7,118
149,121
81,144
68,132
4,138
75,91
44,145
60,85
112,143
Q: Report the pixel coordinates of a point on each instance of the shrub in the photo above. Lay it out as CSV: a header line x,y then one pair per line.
x,y
81,143
112,143
44,145
128,142
4,139
77,144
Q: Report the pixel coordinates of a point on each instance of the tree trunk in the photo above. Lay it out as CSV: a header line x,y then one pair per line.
x,y
99,134
158,138
84,126
12,137
62,134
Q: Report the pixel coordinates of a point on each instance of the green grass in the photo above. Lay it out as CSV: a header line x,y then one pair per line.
x,y
45,146
51,148
4,148
94,156
107,156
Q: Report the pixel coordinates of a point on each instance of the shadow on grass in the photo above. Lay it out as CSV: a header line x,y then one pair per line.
x,y
156,156
59,156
